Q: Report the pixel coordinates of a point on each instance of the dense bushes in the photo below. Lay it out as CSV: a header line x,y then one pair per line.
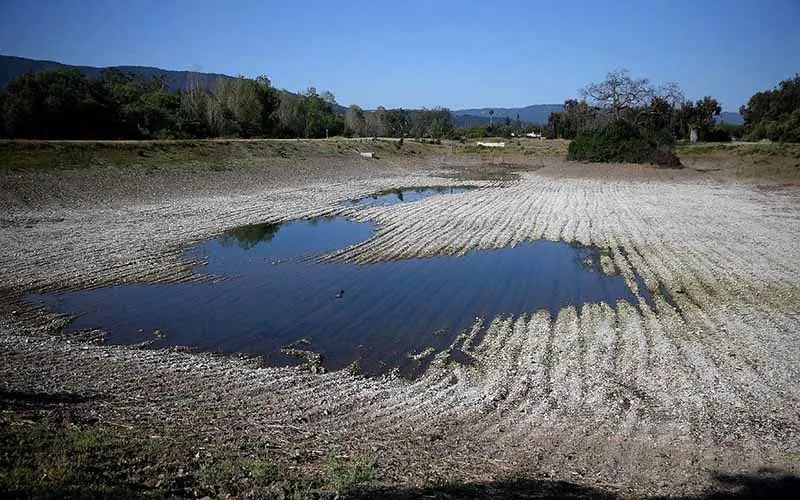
x,y
784,129
629,120
774,114
718,134
620,141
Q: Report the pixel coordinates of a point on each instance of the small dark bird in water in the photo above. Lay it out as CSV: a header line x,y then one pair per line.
x,y
340,294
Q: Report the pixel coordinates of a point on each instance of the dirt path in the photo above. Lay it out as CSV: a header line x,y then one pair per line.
x,y
629,398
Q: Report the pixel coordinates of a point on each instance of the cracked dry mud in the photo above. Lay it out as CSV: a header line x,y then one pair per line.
x,y
635,399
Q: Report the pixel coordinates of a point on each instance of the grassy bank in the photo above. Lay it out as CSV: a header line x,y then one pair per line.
x,y
753,161
773,149
533,147
205,154
53,452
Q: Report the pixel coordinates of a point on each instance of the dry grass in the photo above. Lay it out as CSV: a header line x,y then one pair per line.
x,y
215,154
753,162
519,147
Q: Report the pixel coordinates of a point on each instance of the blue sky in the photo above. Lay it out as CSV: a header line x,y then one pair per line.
x,y
454,53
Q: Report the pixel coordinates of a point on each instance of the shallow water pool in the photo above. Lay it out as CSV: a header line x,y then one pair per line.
x,y
273,296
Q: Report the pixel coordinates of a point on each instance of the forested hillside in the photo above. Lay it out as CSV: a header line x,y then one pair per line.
x,y
12,68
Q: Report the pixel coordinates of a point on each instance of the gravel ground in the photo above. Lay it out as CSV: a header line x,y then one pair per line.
x,y
631,399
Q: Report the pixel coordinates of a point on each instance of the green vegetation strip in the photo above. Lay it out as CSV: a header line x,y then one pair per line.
x,y
43,458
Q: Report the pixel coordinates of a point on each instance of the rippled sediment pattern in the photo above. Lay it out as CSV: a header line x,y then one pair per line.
x,y
277,298
617,392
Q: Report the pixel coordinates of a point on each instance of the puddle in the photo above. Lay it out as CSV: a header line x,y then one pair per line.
x,y
377,314
495,171
643,291
407,195
669,298
281,241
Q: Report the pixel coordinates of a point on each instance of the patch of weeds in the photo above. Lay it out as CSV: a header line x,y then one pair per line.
x,y
219,474
773,149
42,460
347,476
48,155
777,149
701,148
232,475
264,469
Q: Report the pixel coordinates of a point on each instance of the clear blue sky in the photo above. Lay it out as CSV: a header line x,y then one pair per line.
x,y
455,53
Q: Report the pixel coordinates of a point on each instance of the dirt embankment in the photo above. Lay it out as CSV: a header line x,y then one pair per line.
x,y
630,399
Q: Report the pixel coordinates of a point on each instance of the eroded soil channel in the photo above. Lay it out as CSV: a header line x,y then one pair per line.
x,y
386,315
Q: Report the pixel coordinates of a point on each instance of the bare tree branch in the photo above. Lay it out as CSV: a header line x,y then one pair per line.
x,y
619,93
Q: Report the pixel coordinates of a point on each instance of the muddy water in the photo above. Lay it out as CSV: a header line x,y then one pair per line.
x,y
273,296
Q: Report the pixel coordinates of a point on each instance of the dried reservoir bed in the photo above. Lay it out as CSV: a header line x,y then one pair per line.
x,y
632,398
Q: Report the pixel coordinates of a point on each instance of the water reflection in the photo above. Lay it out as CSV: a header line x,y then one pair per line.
x,y
407,195
249,236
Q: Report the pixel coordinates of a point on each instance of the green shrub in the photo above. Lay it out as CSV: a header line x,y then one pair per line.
x,y
718,134
774,114
348,475
735,131
619,141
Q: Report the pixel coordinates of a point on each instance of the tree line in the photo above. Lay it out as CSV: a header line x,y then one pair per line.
x,y
774,114
664,115
436,123
68,104
660,112
627,119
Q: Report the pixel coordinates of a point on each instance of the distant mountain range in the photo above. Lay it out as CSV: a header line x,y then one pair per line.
x,y
537,113
730,117
12,67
